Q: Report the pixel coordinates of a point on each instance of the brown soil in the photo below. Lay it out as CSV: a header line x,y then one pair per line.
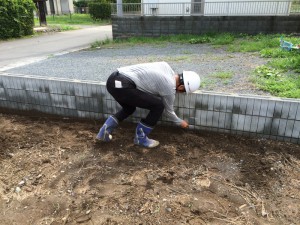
x,y
54,172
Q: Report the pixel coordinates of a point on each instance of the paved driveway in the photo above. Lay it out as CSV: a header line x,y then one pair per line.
x,y
14,53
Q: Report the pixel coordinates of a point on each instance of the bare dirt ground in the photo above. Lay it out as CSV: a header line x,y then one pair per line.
x,y
54,172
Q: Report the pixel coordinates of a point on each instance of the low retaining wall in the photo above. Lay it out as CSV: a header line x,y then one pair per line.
x,y
154,26
267,117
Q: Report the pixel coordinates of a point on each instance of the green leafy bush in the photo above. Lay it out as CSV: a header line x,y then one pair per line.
x,y
80,3
16,18
99,9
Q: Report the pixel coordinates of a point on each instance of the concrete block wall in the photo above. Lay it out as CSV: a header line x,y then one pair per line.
x,y
268,117
154,26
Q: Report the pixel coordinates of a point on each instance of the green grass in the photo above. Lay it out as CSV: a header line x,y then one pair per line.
x,y
280,76
277,83
71,20
223,75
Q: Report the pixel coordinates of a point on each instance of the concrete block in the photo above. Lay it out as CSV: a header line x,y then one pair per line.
x,y
10,94
108,108
243,106
285,110
54,86
198,101
228,120
263,107
222,120
256,107
289,128
186,114
1,82
278,109
275,126
9,82
56,100
296,130
247,123
192,113
282,127
180,113
198,114
35,85
254,124
31,97
203,118
223,103
217,103
211,101
17,83
215,119
42,98
209,118
236,105
250,106
234,121
80,103
229,107
78,88
293,110
181,100
65,88
240,122
204,103
267,126
192,101
271,108
3,94
261,124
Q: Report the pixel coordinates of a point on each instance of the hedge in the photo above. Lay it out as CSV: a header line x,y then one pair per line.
x,y
16,18
99,9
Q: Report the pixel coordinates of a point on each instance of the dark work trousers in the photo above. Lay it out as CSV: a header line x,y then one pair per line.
x,y
129,97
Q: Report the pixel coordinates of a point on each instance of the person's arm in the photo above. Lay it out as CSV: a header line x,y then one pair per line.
x,y
168,102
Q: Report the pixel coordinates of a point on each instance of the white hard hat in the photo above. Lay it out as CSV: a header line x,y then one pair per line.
x,y
191,81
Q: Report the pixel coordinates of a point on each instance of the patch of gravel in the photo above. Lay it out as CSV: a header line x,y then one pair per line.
x,y
97,65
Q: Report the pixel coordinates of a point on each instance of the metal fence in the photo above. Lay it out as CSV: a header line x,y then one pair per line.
x,y
209,8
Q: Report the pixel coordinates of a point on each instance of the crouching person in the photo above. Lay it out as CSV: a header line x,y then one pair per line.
x,y
149,86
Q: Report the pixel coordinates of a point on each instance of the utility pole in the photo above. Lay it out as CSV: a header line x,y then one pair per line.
x,y
41,11
119,8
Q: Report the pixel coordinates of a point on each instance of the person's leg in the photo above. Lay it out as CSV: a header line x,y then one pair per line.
x,y
112,122
105,131
129,99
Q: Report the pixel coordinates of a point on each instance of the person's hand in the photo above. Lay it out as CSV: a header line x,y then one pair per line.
x,y
184,124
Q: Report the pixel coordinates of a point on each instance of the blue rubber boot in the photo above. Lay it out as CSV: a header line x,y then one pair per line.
x,y
141,138
105,131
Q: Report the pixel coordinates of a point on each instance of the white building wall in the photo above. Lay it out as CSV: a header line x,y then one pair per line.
x,y
238,8
61,7
166,7
216,7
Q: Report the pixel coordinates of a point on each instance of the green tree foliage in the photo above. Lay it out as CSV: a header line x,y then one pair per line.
x,y
80,3
99,9
16,18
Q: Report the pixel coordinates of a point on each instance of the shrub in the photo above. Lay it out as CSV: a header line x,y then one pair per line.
x,y
16,18
80,3
26,16
99,9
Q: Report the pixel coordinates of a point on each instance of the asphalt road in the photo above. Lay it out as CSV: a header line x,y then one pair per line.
x,y
15,53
